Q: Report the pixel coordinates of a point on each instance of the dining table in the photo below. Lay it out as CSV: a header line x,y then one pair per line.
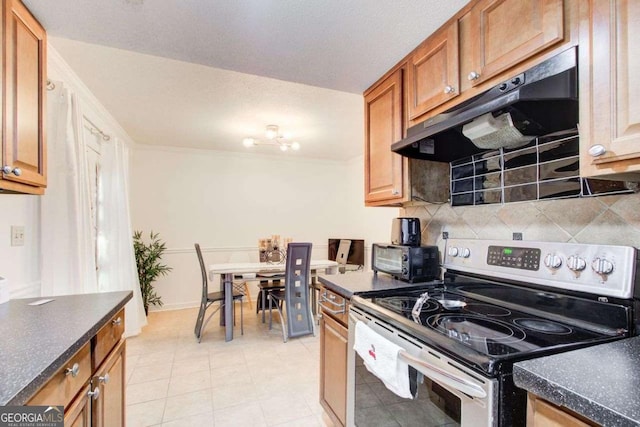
x,y
229,270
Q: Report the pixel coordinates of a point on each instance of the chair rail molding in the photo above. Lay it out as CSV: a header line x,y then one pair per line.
x,y
230,249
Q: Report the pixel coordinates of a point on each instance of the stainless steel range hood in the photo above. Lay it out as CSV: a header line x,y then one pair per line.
x,y
541,100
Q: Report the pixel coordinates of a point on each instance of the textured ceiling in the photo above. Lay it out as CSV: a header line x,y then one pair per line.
x,y
343,45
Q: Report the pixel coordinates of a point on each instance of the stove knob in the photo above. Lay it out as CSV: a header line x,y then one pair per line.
x,y
405,257
453,251
552,261
602,266
466,253
405,271
575,263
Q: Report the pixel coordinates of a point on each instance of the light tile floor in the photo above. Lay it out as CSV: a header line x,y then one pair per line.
x,y
254,380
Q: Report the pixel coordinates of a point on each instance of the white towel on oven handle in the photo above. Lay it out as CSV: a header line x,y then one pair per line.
x,y
381,358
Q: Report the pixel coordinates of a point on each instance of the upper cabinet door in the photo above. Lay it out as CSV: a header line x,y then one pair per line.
x,y
508,32
384,169
610,100
24,146
433,72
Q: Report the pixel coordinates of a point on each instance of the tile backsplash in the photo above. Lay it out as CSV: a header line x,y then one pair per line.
x,y
546,168
605,220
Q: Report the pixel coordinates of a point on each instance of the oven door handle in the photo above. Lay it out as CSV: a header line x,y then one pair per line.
x,y
443,377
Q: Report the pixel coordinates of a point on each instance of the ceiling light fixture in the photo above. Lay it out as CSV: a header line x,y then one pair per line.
x,y
273,137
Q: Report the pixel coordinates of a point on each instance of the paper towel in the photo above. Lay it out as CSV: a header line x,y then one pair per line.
x,y
490,132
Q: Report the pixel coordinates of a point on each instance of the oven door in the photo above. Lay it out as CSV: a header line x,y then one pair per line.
x,y
448,393
387,258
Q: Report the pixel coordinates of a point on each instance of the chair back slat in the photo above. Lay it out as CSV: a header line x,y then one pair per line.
x,y
203,270
298,273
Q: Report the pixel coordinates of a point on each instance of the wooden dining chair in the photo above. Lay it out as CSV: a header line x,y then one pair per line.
x,y
295,295
210,298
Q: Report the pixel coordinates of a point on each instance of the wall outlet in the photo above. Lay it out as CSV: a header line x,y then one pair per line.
x,y
17,235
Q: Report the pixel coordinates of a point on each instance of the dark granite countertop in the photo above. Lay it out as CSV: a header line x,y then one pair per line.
x,y
602,383
350,284
36,341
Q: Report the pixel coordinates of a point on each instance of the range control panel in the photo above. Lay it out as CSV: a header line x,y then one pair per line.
x,y
603,270
514,257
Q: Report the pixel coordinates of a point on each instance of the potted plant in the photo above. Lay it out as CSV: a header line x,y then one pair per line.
x,y
150,267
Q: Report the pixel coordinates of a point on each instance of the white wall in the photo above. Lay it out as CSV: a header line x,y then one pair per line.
x,y
20,264
224,201
227,201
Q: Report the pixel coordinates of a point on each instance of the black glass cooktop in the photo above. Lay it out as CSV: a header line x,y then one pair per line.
x,y
485,323
487,328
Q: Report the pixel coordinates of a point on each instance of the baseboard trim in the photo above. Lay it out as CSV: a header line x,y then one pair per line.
x,y
175,306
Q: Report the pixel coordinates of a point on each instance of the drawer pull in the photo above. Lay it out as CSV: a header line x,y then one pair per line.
x,y
95,394
341,307
105,379
116,322
73,371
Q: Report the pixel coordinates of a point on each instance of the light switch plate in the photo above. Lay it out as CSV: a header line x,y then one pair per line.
x,y
17,235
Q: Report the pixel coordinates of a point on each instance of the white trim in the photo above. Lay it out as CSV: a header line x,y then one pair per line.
x,y
171,251
177,306
236,154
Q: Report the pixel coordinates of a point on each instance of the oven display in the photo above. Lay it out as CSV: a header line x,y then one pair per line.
x,y
507,256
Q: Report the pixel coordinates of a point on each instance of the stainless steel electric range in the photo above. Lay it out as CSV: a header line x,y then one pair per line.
x,y
500,302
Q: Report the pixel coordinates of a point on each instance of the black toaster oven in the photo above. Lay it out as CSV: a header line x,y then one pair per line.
x,y
408,263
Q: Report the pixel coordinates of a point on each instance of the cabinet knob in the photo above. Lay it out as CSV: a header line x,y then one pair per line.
x,y
73,371
104,380
449,89
8,170
116,322
95,394
597,150
395,192
473,76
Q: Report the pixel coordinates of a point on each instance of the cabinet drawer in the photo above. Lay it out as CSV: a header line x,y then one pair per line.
x,y
64,385
107,338
334,305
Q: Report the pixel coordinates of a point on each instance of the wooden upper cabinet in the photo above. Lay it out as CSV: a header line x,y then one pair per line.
x,y
507,32
610,101
24,88
384,170
433,72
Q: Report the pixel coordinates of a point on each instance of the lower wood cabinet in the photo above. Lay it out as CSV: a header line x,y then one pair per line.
x,y
91,385
108,407
79,413
541,413
333,367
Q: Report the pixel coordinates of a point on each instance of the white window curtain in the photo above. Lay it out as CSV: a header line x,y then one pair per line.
x,y
116,259
68,261
68,251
